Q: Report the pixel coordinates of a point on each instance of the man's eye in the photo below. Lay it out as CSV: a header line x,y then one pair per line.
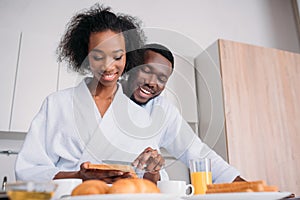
x,y
118,58
163,79
146,69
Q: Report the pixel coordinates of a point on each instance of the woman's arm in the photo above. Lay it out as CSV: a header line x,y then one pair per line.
x,y
108,176
73,174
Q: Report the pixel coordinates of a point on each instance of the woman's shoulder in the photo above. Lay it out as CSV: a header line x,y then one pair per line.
x,y
60,98
61,93
68,92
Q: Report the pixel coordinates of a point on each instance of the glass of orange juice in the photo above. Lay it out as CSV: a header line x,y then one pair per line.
x,y
201,174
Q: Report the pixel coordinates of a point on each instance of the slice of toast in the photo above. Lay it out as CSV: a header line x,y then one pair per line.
x,y
124,168
252,186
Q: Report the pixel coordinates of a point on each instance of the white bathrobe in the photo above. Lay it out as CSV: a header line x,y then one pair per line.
x,y
69,130
179,139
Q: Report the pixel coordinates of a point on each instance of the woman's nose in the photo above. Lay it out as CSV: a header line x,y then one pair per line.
x,y
107,63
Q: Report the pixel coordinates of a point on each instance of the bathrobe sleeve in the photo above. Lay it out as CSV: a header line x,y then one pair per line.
x,y
52,143
33,161
180,141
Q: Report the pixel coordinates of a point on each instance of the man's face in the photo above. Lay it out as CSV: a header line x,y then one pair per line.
x,y
149,80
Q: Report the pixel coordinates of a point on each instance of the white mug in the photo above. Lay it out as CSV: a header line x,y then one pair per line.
x,y
175,187
65,187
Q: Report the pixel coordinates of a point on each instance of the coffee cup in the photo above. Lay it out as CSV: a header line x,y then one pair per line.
x,y
179,188
65,187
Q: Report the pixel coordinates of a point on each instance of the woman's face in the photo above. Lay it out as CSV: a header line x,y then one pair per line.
x,y
107,56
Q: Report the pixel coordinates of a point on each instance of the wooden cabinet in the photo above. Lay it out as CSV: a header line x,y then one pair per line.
x,y
36,78
249,96
9,47
29,74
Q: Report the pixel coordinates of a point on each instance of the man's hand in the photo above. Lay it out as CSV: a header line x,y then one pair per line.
x,y
150,161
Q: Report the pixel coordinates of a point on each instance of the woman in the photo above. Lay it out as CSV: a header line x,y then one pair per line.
x,y
77,125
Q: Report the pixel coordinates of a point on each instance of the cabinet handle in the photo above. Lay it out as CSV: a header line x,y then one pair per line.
x,y
8,152
4,183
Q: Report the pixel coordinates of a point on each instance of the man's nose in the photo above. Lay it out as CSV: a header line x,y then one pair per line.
x,y
152,80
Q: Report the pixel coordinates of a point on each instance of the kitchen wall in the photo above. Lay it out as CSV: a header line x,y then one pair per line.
x,y
267,23
186,27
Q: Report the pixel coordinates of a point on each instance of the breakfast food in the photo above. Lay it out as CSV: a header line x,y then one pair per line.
x,y
124,168
270,188
122,186
252,186
133,186
90,187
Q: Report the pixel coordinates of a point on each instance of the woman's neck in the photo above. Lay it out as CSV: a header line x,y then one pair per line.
x,y
100,91
102,95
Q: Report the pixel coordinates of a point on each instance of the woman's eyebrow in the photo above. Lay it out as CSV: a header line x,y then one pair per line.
x,y
115,51
98,50
119,50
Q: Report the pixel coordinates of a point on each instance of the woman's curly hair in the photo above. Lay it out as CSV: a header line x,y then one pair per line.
x,y
73,47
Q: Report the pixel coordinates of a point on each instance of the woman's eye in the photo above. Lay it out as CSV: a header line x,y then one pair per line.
x,y
97,58
119,58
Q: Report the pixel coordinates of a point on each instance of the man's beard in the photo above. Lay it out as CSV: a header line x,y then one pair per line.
x,y
139,103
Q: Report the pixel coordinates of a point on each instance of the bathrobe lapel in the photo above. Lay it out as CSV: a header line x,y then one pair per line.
x,y
122,134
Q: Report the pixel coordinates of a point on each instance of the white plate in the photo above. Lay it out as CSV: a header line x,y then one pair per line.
x,y
153,196
241,196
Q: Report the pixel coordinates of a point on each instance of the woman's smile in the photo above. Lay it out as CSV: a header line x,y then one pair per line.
x,y
109,76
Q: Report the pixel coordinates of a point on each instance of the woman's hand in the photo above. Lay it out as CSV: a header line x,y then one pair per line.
x,y
108,176
150,161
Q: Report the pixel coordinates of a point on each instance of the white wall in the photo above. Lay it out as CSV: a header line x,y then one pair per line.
x,y
267,23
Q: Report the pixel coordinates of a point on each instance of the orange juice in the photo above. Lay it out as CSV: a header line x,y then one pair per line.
x,y
200,180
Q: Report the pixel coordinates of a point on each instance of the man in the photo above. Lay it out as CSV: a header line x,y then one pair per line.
x,y
149,79
143,85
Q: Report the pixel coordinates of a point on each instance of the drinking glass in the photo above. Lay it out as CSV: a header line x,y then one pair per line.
x,y
201,175
30,190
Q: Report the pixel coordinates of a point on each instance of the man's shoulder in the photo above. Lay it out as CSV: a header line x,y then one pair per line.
x,y
162,101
